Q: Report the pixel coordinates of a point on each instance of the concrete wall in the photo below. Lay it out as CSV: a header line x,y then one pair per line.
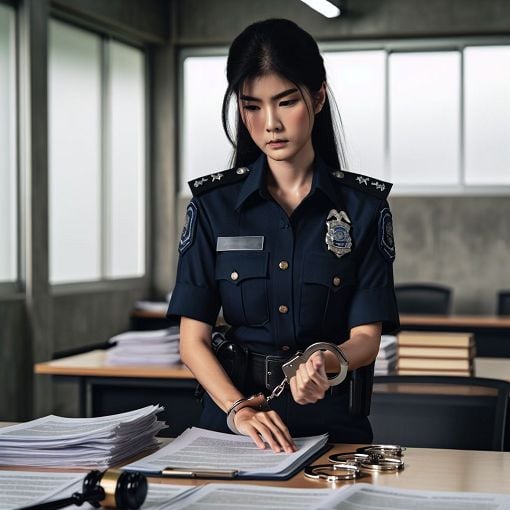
x,y
459,241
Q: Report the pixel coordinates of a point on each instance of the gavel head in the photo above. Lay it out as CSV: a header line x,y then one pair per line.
x,y
115,489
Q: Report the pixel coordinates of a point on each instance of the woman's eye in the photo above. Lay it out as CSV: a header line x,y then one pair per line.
x,y
250,107
289,102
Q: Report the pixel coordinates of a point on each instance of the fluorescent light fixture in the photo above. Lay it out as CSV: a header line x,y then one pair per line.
x,y
325,7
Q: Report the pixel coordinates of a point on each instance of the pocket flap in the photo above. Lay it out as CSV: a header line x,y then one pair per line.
x,y
323,269
241,265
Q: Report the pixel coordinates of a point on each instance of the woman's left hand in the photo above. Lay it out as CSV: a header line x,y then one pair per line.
x,y
311,381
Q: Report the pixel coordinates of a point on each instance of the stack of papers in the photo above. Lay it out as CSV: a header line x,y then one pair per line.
x,y
157,347
199,449
54,441
387,358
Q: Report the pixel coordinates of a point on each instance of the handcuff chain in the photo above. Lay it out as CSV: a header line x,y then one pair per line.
x,y
277,391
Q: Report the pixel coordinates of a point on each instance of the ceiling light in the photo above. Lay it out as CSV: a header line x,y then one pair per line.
x,y
325,7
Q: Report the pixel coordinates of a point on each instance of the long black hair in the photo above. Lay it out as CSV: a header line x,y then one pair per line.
x,y
282,47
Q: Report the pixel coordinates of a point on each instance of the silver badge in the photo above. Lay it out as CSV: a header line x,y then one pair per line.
x,y
338,239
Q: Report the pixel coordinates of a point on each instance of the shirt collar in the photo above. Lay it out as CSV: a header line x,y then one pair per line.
x,y
256,180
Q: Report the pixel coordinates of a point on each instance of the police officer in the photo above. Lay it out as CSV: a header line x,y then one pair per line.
x,y
293,248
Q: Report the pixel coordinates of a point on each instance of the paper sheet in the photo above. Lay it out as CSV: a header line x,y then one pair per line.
x,y
199,448
372,497
18,488
250,497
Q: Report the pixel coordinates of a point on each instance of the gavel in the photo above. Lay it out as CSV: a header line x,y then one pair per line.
x,y
108,489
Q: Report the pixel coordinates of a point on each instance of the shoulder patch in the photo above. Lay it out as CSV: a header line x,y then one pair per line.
x,y
385,235
212,181
375,187
188,231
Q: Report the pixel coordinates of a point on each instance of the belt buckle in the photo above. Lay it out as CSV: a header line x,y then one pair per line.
x,y
270,377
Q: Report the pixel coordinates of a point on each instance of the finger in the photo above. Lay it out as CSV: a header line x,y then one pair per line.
x,y
282,433
267,434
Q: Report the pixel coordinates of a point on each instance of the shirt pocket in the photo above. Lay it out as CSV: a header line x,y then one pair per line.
x,y
243,283
328,285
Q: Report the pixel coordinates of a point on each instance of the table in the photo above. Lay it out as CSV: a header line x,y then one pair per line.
x,y
106,389
492,333
426,469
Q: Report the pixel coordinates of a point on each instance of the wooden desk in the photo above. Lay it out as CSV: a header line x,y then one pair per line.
x,y
106,389
426,469
492,334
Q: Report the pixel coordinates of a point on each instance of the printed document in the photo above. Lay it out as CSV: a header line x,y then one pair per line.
x,y
204,449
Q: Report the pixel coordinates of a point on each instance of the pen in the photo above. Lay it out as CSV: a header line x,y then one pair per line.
x,y
199,473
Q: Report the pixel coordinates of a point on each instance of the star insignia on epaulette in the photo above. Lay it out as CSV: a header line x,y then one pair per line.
x,y
208,182
364,183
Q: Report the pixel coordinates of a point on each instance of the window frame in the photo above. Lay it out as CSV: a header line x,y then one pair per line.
x,y
389,46
16,288
104,283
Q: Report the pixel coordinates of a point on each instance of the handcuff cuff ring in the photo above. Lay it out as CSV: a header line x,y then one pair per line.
x,y
369,461
327,472
257,401
392,450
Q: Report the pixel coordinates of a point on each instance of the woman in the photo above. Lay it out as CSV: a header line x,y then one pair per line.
x,y
293,248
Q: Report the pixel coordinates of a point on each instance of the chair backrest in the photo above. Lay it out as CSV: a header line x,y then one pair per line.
x,y
504,302
467,413
424,298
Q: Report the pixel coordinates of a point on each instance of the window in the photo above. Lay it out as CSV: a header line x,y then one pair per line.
x,y
424,117
8,149
357,79
487,115
96,157
204,146
432,117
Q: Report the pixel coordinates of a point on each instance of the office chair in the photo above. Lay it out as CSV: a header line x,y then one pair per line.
x,y
424,299
504,302
467,413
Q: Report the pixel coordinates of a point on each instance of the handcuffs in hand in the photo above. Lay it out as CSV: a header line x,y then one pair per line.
x,y
261,402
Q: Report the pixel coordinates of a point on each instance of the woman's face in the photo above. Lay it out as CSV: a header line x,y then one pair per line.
x,y
278,118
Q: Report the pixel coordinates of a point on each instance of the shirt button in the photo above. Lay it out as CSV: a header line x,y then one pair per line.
x,y
283,265
285,348
336,281
234,275
284,224
283,309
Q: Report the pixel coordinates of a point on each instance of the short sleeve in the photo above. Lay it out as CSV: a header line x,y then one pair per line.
x,y
374,299
195,294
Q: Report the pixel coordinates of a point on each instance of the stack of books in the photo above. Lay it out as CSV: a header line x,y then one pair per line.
x,y
386,361
434,353
156,347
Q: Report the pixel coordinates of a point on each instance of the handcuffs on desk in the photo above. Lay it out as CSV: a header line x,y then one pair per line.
x,y
350,466
261,402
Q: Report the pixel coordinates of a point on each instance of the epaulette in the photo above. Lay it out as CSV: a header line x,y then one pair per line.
x,y
208,182
375,187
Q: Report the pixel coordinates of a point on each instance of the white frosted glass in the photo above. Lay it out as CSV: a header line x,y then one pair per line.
x,y
424,95
8,163
205,148
126,191
487,115
74,81
357,79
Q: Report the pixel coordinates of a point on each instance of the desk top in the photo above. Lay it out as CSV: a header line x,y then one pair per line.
x,y
93,363
426,469
477,321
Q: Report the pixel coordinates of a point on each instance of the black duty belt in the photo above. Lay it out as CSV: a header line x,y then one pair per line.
x,y
266,372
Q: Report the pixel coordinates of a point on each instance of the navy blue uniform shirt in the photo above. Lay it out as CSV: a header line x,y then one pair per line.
x,y
280,286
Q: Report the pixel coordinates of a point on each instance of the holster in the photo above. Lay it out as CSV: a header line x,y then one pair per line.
x,y
360,395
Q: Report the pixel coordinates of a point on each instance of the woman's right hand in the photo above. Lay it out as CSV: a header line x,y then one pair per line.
x,y
265,426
